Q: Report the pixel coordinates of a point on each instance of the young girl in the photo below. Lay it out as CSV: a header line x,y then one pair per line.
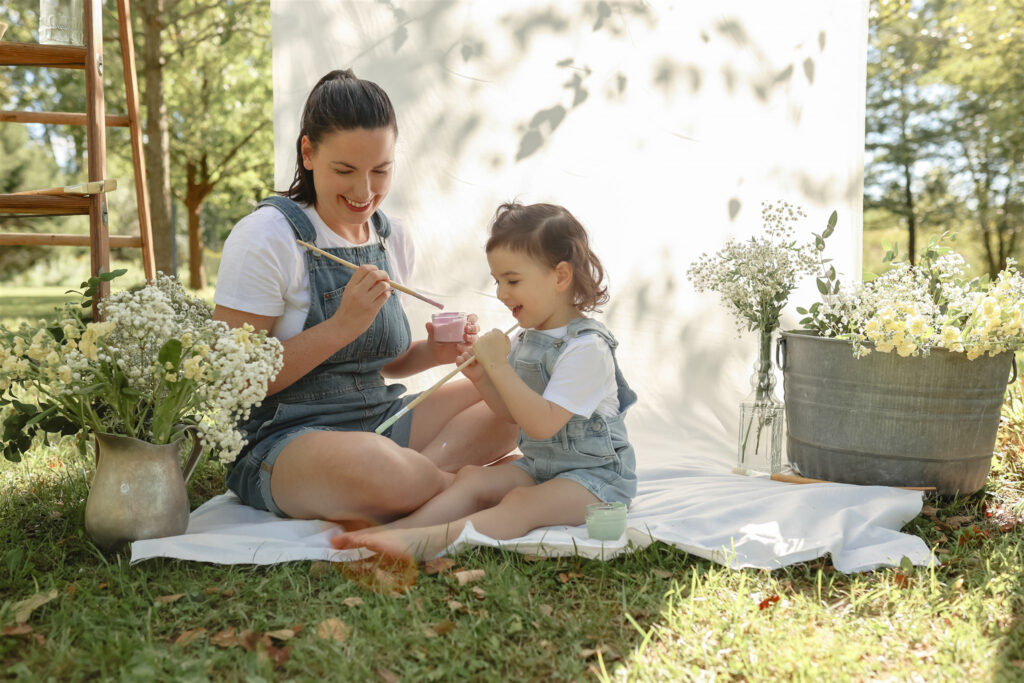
x,y
561,384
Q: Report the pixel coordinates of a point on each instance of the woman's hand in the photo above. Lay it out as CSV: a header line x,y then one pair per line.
x,y
492,349
448,352
365,294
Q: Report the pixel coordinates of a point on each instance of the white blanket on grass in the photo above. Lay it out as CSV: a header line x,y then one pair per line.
x,y
685,499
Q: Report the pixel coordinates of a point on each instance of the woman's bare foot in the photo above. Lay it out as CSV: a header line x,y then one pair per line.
x,y
421,543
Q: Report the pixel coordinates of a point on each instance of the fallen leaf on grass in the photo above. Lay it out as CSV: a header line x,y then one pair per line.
x,y
382,574
72,589
902,580
281,634
333,629
534,558
189,636
768,602
388,676
437,565
211,590
469,576
225,638
455,605
353,602
23,609
957,521
168,599
661,573
479,592
319,568
249,640
19,630
566,577
439,629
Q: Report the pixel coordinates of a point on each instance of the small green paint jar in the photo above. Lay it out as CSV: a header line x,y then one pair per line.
x,y
606,521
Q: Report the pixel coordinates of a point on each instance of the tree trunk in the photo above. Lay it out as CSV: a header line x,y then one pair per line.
x,y
197,190
157,148
908,195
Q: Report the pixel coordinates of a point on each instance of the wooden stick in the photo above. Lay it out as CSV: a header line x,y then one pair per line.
x,y
419,399
349,264
794,479
94,187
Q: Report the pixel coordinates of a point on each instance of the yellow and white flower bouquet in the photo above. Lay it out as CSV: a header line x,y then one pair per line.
x,y
156,364
913,308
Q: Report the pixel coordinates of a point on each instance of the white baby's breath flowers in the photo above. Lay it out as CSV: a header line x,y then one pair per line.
x,y
157,362
755,277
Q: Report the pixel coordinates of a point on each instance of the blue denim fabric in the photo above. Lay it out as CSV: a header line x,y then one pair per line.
x,y
593,451
344,393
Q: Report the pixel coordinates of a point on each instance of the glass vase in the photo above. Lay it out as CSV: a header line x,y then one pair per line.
x,y
762,416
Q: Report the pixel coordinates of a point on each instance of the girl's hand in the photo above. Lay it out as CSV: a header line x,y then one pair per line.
x,y
448,352
473,372
492,349
365,294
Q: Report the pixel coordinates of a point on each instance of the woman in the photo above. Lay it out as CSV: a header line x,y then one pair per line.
x,y
311,450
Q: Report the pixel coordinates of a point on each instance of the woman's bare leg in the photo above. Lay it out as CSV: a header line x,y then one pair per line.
x,y
559,501
352,476
453,427
475,488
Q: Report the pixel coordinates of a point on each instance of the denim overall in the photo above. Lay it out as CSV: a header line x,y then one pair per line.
x,y
344,393
593,451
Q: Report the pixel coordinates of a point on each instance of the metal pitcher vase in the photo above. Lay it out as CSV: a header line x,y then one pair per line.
x,y
138,490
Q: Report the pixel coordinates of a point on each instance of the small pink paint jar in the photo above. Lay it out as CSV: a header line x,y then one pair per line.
x,y
449,326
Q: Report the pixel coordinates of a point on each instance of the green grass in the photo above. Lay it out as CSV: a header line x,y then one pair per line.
x,y
656,614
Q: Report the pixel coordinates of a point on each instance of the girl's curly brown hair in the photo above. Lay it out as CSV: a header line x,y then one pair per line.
x,y
550,234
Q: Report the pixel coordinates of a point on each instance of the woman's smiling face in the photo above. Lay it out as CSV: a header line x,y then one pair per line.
x,y
352,174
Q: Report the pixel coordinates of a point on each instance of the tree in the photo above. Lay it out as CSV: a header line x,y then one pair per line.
x,y
983,58
904,121
226,137
182,41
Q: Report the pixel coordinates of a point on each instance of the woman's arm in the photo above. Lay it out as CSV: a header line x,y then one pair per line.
x,y
363,298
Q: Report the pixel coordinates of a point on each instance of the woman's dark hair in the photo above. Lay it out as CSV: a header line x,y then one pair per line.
x,y
339,101
550,234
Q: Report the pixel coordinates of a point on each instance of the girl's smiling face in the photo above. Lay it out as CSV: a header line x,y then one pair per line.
x,y
539,297
352,174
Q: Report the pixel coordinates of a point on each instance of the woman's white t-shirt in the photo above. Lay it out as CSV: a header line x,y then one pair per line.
x,y
583,379
263,269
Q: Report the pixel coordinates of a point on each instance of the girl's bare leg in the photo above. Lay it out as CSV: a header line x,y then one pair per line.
x,y
453,427
559,501
352,476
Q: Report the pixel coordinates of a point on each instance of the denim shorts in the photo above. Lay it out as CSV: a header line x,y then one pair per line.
x,y
587,452
249,477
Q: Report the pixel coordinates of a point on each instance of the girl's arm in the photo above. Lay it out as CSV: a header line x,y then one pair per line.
x,y
535,415
483,384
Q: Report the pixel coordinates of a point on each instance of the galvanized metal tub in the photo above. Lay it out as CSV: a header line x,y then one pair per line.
x,y
884,419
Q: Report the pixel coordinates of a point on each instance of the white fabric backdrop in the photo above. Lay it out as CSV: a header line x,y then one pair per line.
x,y
662,126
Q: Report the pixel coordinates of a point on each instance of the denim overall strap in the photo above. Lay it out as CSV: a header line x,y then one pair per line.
x,y
349,382
581,326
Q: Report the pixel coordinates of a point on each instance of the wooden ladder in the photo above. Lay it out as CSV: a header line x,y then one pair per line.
x,y
88,198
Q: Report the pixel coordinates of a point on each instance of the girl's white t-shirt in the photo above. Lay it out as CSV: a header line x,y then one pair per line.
x,y
583,379
263,269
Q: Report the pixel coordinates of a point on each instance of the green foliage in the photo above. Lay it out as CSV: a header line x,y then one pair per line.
x,y
943,109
